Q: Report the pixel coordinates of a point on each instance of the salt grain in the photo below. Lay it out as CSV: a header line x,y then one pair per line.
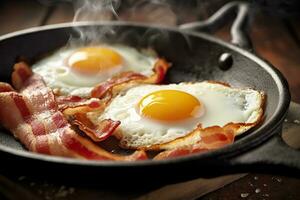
x,y
244,195
279,180
255,178
257,190
296,121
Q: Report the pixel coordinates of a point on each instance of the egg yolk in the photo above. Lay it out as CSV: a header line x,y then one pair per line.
x,y
169,105
93,60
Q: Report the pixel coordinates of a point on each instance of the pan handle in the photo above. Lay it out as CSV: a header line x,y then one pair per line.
x,y
238,29
274,155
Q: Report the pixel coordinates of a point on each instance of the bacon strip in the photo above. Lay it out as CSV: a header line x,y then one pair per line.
x,y
106,88
98,132
160,70
200,140
70,105
34,118
5,87
75,108
21,75
75,101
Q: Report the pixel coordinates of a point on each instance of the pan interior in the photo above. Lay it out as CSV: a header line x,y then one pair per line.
x,y
193,57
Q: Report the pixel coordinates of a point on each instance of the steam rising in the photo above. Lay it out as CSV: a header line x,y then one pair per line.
x,y
95,10
155,12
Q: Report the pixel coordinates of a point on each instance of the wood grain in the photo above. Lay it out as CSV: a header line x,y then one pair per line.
x,y
258,187
191,189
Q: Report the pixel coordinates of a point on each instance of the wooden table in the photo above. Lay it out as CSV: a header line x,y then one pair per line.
x,y
275,39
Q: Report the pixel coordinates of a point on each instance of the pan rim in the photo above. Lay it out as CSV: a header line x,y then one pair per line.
x,y
250,141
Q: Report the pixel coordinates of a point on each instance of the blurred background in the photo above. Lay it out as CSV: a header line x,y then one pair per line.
x,y
274,29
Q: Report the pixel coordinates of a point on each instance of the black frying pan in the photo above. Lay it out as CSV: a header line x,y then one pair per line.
x,y
195,56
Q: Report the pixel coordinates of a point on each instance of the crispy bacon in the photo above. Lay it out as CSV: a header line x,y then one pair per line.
x,y
98,132
75,108
74,101
32,115
69,99
200,140
106,87
160,70
21,75
117,83
5,87
70,105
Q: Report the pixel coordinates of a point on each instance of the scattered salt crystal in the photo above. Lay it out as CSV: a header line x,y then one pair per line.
x,y
296,121
265,185
255,178
244,195
279,180
285,120
266,195
64,191
257,190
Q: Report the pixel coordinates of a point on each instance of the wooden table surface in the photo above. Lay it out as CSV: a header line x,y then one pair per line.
x,y
275,39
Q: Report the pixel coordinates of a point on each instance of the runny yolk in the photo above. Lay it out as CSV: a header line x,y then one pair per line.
x,y
169,105
93,60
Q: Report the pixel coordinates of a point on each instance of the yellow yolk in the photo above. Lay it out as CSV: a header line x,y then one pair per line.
x,y
93,60
169,105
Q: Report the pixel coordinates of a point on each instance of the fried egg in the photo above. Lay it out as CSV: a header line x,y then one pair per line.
x,y
156,114
75,71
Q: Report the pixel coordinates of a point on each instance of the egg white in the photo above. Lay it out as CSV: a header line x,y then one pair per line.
x,y
58,75
222,105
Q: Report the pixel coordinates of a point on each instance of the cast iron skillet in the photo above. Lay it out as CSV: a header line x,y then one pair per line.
x,y
195,57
